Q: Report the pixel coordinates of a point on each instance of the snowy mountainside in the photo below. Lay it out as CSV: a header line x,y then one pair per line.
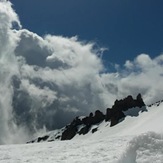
x,y
127,142
122,111
136,139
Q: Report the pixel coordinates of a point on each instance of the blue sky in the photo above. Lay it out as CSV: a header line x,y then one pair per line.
x,y
126,27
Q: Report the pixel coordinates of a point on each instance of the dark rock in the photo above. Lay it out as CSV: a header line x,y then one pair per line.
x,y
84,130
108,114
94,130
71,130
44,138
69,133
32,141
115,114
87,121
76,122
99,116
140,101
91,115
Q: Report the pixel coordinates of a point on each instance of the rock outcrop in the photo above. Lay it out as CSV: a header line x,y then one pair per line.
x,y
82,125
71,129
86,123
114,115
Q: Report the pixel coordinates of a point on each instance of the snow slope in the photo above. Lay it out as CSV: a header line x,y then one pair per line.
x,y
103,150
135,140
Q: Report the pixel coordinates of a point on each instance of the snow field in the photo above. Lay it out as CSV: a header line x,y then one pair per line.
x,y
128,142
94,151
145,148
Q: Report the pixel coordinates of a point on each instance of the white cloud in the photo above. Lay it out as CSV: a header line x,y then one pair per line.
x,y
144,77
8,64
43,96
128,64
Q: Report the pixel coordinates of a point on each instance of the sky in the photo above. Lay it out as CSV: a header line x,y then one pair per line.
x,y
126,28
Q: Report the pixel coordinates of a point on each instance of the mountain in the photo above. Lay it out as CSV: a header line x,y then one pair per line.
x,y
136,139
91,124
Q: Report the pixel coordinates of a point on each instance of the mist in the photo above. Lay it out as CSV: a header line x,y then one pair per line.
x,y
46,81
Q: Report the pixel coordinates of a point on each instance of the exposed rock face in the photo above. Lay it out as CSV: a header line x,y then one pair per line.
x,y
39,139
84,130
94,130
69,133
140,101
116,113
42,138
116,116
87,122
99,116
71,129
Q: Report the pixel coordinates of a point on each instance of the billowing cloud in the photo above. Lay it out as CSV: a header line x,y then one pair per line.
x,y
47,81
63,70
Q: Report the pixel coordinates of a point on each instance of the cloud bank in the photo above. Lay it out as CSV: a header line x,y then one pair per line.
x,y
47,81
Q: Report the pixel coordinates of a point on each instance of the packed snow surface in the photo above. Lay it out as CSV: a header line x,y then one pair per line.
x,y
103,150
146,148
134,140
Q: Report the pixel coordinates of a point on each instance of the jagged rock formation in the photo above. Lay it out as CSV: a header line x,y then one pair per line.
x,y
81,126
114,115
86,122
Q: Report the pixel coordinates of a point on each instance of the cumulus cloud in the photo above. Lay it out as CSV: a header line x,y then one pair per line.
x,y
66,67
8,64
47,81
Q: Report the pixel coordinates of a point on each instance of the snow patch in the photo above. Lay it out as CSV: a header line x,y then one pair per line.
x,y
144,148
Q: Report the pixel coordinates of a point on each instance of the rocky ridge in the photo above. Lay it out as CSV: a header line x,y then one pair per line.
x,y
82,125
